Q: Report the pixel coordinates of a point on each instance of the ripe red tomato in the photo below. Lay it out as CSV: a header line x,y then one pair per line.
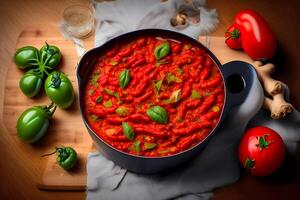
x,y
233,37
261,151
258,40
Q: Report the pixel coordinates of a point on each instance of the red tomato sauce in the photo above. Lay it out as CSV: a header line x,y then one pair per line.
x,y
186,83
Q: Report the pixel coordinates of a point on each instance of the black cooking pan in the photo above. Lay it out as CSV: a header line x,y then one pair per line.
x,y
238,77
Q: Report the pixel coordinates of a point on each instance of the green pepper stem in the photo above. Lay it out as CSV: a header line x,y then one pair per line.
x,y
48,154
55,80
46,67
47,59
47,45
56,149
40,64
50,109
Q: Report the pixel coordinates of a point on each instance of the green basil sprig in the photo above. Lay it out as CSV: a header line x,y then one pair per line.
x,y
158,114
124,78
128,131
162,50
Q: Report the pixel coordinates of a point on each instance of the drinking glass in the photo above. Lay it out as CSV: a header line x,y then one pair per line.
x,y
79,20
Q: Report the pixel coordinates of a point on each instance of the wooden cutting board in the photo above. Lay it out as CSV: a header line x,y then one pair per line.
x,y
67,127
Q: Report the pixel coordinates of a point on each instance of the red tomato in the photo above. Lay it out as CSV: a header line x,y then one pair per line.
x,y
258,40
233,37
261,151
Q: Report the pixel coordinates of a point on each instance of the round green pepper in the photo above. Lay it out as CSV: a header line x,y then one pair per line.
x,y
31,82
59,89
26,57
50,56
66,157
34,122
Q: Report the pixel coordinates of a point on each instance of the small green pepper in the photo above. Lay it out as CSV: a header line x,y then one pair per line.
x,y
26,57
59,89
34,122
50,56
31,82
66,157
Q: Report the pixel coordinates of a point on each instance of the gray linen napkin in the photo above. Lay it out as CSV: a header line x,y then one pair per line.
x,y
217,164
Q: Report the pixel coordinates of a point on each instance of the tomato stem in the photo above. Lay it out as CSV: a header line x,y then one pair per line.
x,y
263,143
249,163
233,34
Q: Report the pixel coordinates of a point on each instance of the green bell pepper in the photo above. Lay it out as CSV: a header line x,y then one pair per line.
x,y
26,57
34,122
59,89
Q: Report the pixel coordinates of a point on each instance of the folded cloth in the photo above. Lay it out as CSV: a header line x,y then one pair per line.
x,y
121,16
217,164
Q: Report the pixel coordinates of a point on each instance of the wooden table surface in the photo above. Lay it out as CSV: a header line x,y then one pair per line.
x,y
19,170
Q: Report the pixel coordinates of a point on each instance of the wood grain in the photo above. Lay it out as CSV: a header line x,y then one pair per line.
x,y
66,126
21,166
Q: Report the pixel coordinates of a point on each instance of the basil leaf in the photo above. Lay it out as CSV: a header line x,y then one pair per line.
x,y
93,118
158,114
164,151
128,131
94,79
99,99
196,95
175,97
108,91
157,85
112,93
172,78
162,50
148,146
107,104
122,111
124,78
135,146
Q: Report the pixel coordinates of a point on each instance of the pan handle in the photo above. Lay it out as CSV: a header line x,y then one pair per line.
x,y
239,78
